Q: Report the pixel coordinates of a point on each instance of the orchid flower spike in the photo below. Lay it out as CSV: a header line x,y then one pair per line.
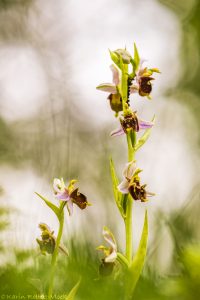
x,y
131,121
142,82
113,88
69,194
131,183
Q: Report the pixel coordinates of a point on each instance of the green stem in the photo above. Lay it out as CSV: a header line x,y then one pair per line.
x,y
55,253
128,200
122,259
124,85
129,208
128,226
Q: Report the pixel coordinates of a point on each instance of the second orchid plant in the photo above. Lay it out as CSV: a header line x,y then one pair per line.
x,y
129,76
67,195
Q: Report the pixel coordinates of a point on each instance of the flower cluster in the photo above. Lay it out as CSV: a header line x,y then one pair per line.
x,y
138,81
130,76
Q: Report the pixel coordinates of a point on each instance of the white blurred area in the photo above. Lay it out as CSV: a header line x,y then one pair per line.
x,y
66,45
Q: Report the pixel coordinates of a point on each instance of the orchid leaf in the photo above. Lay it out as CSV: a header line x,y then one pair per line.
x,y
141,141
72,293
115,183
136,57
53,207
115,58
137,264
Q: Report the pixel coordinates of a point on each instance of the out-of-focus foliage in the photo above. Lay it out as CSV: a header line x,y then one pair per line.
x,y
188,89
33,269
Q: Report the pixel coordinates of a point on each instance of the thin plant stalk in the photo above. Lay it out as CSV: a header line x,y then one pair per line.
x,y
129,209
55,253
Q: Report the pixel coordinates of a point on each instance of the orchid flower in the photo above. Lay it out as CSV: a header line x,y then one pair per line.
x,y
130,121
142,82
109,252
131,183
48,241
113,88
69,194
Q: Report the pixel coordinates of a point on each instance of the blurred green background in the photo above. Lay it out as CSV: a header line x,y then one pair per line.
x,y
53,123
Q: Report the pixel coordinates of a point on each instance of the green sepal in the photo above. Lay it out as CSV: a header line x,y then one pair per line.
x,y
53,207
72,293
117,195
137,263
115,58
155,70
141,141
135,61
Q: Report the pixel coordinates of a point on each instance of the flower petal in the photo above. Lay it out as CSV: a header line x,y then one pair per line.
x,y
149,194
129,170
109,238
58,185
115,73
111,258
70,207
145,124
134,88
123,186
117,132
107,87
64,196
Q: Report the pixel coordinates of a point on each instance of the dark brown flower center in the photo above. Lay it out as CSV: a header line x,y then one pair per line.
x,y
79,199
145,86
138,191
130,122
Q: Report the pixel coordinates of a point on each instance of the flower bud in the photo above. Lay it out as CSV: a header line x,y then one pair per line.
x,y
125,55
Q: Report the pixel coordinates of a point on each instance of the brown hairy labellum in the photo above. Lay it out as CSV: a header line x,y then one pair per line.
x,y
145,86
79,199
130,121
